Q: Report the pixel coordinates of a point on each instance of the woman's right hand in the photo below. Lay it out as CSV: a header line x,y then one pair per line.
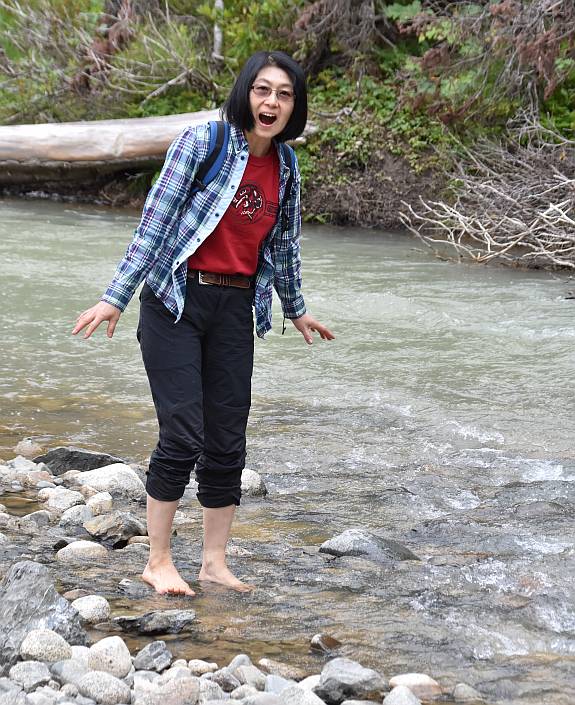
x,y
92,318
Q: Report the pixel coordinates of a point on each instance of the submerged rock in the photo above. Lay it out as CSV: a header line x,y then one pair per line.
x,y
65,458
28,600
158,622
357,542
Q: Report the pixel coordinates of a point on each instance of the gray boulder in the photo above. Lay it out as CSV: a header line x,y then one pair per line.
x,y
117,479
357,542
342,678
63,458
401,695
28,600
69,671
115,529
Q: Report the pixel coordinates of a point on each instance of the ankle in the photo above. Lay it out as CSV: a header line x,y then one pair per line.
x,y
159,557
211,561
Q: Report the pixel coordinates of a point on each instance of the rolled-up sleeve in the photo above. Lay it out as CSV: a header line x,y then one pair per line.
x,y
160,214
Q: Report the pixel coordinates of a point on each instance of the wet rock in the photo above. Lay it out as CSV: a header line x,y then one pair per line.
x,y
65,458
92,608
70,670
401,696
3,539
28,601
75,516
30,674
284,670
463,693
158,622
6,521
34,520
154,657
239,660
104,688
294,695
110,655
343,678
100,503
135,551
116,528
27,448
324,642
357,542
45,645
59,499
198,667
135,589
117,479
420,685
253,484
82,551
540,510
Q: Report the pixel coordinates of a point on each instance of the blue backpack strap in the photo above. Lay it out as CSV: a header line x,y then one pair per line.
x,y
209,168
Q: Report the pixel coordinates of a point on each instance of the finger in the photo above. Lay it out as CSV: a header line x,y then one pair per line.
x,y
111,327
92,327
79,326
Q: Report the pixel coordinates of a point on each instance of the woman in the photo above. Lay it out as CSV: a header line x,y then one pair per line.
x,y
206,262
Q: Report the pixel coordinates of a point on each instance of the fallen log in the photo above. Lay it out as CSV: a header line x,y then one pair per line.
x,y
79,151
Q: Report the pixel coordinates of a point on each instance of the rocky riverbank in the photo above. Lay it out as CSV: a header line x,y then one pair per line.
x,y
60,639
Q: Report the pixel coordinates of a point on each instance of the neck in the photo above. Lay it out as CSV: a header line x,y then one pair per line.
x,y
258,146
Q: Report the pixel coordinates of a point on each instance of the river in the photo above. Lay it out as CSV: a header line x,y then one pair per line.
x,y
442,417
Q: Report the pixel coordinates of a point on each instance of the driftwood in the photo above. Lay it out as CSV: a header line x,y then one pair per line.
x,y
514,202
71,151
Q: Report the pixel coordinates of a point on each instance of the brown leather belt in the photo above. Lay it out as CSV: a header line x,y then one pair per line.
x,y
238,280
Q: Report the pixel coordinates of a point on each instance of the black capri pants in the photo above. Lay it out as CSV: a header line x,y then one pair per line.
x,y
200,371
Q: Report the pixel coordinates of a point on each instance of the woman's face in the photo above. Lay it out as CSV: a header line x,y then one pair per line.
x,y
271,113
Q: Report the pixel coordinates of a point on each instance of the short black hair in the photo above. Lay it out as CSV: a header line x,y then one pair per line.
x,y
236,110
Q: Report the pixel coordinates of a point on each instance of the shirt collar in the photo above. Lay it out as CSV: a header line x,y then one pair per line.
x,y
240,144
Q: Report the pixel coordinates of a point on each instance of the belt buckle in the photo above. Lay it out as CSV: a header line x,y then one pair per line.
x,y
201,280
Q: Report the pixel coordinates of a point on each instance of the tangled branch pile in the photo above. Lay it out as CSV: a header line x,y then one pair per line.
x,y
514,201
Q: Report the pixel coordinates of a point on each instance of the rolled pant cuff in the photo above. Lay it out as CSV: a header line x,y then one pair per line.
x,y
218,503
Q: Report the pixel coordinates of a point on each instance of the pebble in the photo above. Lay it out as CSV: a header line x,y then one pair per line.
x,y
154,657
59,499
99,503
420,684
401,695
79,551
199,667
92,608
110,655
69,671
44,645
463,693
104,688
30,674
75,516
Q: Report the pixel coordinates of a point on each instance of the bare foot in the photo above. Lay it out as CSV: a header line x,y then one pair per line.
x,y
223,576
166,580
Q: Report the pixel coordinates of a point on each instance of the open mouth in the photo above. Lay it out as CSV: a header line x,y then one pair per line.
x,y
267,118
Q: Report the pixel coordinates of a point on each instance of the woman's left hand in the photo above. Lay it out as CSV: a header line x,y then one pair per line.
x,y
307,325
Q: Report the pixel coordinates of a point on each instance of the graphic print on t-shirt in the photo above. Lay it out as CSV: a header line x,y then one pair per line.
x,y
250,203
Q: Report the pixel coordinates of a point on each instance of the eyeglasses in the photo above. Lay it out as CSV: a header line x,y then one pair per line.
x,y
284,95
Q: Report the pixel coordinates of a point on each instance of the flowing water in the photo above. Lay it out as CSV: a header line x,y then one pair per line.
x,y
441,416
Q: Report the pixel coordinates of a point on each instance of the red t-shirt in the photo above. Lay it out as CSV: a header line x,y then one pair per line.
x,y
232,248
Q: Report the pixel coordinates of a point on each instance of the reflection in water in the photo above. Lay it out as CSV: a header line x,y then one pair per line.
x,y
439,417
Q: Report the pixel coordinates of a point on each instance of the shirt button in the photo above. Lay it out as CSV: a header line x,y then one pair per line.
x,y
198,239
217,215
242,157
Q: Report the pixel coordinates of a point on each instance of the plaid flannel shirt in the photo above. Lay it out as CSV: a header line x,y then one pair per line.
x,y
173,226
